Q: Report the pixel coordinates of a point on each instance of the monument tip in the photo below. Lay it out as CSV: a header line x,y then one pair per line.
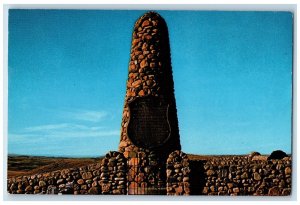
x,y
150,15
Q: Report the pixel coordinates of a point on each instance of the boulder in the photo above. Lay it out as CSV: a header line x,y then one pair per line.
x,y
278,154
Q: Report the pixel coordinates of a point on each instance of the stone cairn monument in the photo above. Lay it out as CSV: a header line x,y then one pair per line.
x,y
150,118
149,159
149,129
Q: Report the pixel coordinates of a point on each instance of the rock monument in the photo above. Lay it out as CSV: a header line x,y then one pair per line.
x,y
149,120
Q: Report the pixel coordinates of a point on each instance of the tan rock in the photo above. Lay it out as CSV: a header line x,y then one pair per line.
x,y
80,181
287,171
260,158
145,46
137,53
87,175
256,176
205,190
274,191
132,75
136,83
123,144
210,172
143,64
132,68
244,175
133,161
230,185
148,37
126,154
154,23
179,190
150,56
130,93
28,188
135,41
186,179
236,190
145,23
141,93
42,183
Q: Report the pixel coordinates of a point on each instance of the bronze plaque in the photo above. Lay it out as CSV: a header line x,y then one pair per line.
x,y
148,124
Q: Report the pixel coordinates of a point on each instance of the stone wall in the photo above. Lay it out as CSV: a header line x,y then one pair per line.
x,y
82,180
113,178
242,175
245,176
178,174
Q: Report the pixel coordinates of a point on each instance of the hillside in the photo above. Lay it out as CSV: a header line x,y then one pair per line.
x,y
26,165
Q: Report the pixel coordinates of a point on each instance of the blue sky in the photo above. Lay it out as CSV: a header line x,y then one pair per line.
x,y
67,72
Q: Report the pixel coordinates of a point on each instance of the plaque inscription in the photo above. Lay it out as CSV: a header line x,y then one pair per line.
x,y
148,124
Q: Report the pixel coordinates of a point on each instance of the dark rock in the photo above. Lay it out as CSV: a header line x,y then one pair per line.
x,y
61,186
244,175
59,181
286,192
252,154
274,191
278,154
256,176
93,191
28,188
210,172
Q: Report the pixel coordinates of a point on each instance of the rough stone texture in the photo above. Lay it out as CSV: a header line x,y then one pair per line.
x,y
178,174
230,176
150,74
245,176
113,177
66,181
146,174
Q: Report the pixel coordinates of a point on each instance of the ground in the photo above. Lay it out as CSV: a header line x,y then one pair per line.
x,y
27,165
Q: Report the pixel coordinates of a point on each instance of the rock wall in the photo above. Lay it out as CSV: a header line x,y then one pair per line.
x,y
242,175
178,174
246,176
113,178
82,180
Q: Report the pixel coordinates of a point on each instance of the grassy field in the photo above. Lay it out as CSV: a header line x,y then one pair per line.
x,y
27,165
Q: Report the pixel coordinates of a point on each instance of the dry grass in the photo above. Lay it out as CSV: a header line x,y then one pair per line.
x,y
28,165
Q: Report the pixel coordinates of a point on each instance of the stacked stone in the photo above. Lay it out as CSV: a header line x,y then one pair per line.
x,y
178,174
113,174
242,176
82,180
145,173
150,75
221,176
